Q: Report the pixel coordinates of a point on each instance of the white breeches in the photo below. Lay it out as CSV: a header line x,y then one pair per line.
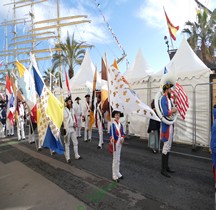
x,y
79,125
87,132
20,129
2,130
79,121
100,132
71,136
167,145
10,128
109,123
116,161
31,137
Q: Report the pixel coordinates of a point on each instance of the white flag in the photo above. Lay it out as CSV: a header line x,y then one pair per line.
x,y
123,98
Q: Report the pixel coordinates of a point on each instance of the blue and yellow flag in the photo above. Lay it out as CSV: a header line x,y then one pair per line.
x,y
50,113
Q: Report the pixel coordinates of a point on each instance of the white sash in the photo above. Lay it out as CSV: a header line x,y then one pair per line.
x,y
118,127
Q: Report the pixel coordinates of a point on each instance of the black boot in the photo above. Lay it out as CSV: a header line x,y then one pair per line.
x,y
163,166
168,169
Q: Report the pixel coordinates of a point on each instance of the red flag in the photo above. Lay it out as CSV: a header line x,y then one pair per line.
x,y
181,100
67,83
172,29
8,86
34,114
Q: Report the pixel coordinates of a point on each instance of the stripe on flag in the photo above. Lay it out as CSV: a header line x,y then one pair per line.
x,y
181,100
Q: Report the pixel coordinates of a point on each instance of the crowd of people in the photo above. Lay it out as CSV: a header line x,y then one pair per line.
x,y
19,118
75,115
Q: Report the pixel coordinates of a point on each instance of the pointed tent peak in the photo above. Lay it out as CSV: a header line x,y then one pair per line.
x,y
85,74
139,69
186,61
86,59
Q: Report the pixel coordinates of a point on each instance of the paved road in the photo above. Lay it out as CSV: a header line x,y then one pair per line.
x,y
89,179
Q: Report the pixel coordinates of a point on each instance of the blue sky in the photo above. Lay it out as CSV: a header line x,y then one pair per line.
x,y
136,24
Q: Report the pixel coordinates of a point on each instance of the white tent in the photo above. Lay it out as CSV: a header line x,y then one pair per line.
x,y
82,82
193,75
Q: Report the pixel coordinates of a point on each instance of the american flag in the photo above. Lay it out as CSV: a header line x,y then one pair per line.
x,y
181,100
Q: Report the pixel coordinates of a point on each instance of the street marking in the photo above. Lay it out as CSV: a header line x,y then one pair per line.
x,y
9,143
96,137
80,208
195,156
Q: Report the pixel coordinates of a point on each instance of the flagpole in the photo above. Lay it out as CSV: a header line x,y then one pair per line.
x,y
110,110
171,42
31,126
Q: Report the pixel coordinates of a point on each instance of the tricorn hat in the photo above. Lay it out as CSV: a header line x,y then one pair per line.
x,y
167,86
77,98
168,80
117,112
68,98
87,95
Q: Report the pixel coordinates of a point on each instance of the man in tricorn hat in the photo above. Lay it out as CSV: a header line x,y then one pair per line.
x,y
86,119
70,126
78,113
116,141
167,131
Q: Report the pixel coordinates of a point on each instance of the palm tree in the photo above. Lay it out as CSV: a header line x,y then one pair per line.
x,y
50,74
202,35
72,54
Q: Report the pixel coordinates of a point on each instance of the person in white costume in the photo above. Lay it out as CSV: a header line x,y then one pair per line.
x,y
78,113
20,121
99,121
86,119
70,127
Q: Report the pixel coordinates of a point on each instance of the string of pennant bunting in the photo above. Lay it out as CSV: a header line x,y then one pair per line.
x,y
111,30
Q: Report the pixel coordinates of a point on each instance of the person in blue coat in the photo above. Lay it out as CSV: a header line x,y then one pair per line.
x,y
116,139
213,143
167,131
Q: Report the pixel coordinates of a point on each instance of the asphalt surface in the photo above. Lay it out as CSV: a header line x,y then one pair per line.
x,y
143,187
